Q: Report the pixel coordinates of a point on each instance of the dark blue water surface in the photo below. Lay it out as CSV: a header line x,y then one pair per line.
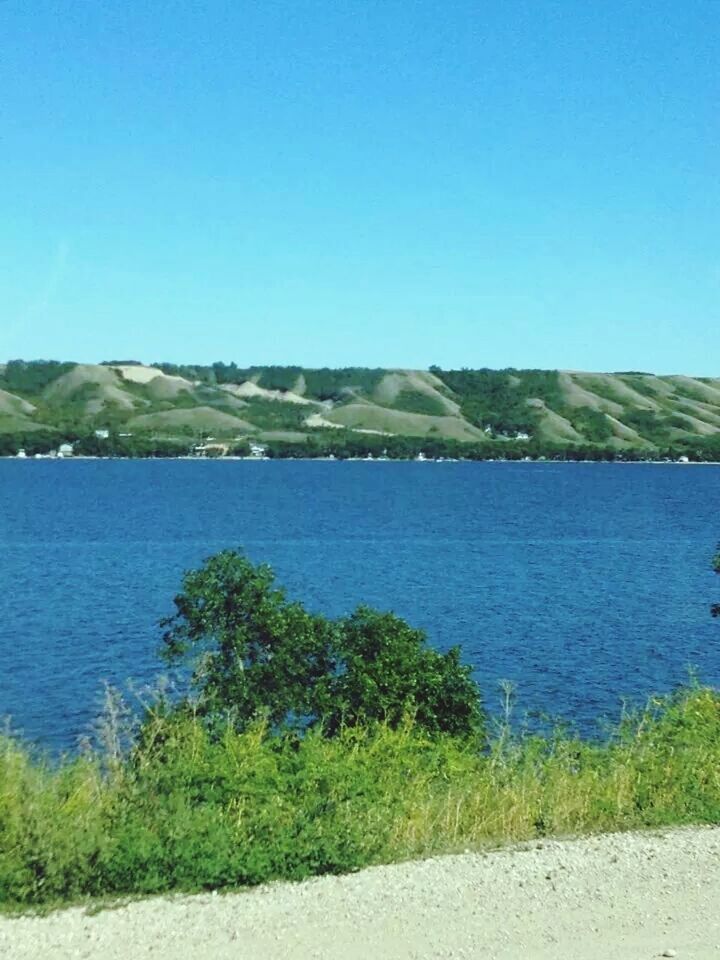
x,y
581,583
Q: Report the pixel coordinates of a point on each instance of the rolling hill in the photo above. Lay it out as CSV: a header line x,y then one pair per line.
x,y
617,411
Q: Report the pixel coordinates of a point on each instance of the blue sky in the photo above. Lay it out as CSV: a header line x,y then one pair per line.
x,y
379,183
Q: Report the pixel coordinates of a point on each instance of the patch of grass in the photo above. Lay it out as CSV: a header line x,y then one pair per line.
x,y
603,387
275,414
642,384
650,425
414,401
191,422
184,810
11,423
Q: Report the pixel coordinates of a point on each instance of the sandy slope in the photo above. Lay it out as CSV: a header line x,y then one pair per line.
x,y
622,897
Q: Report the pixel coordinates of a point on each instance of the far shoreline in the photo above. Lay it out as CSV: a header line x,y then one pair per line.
x,y
374,460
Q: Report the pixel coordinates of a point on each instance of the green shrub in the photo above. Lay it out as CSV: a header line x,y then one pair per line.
x,y
414,401
190,809
254,653
29,378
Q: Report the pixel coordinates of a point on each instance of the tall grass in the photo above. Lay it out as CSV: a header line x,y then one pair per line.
x,y
183,810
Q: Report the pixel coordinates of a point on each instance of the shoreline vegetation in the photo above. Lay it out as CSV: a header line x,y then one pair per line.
x,y
240,459
304,746
334,448
186,810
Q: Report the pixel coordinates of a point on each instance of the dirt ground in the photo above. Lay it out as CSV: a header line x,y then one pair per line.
x,y
629,896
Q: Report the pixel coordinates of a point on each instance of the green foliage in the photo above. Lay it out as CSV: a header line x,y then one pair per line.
x,y
31,441
509,402
29,378
640,383
121,363
648,424
89,445
192,373
73,408
344,444
326,384
240,449
321,384
382,669
592,424
271,378
677,422
499,398
254,653
414,401
191,809
279,378
274,414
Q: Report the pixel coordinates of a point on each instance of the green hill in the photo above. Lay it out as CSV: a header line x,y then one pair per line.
x,y
613,411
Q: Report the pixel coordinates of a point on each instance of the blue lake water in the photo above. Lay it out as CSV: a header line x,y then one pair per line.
x,y
580,583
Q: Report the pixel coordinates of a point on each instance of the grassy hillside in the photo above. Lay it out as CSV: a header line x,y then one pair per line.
x,y
615,411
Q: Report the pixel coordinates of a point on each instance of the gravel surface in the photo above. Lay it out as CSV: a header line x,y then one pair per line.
x,y
627,896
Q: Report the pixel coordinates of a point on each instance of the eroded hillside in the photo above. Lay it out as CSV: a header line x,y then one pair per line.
x,y
612,410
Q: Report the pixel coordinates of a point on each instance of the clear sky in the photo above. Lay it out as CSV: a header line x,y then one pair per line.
x,y
370,182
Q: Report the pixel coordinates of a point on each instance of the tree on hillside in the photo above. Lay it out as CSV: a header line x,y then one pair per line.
x,y
253,652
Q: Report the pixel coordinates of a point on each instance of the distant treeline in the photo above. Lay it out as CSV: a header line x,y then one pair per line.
x,y
322,383
30,377
343,445
407,448
42,442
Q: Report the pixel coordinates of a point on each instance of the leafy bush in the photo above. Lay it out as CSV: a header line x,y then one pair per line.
x,y
31,441
29,378
192,809
592,424
274,414
648,424
254,653
413,401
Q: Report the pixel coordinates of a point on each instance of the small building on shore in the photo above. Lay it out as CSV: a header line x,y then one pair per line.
x,y
211,450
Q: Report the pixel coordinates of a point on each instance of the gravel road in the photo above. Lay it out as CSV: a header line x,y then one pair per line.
x,y
629,896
